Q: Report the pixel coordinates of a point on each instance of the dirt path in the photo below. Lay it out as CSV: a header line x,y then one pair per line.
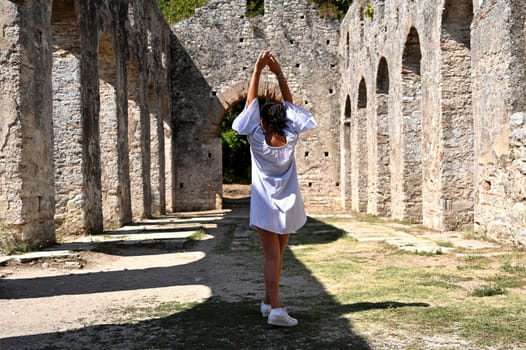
x,y
46,296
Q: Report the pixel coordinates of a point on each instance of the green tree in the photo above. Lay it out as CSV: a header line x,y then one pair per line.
x,y
333,8
177,10
236,150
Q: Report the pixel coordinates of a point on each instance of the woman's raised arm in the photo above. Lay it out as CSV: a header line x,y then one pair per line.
x,y
275,67
261,62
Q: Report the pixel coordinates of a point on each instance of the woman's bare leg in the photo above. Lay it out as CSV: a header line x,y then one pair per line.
x,y
273,248
283,240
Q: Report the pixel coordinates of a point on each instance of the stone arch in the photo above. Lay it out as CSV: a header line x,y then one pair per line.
x,y
67,119
382,193
457,130
410,207
360,154
362,94
382,77
226,101
233,96
346,155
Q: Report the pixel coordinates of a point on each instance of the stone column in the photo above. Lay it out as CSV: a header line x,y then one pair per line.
x,y
26,134
90,98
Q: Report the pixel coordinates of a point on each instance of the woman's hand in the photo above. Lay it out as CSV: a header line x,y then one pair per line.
x,y
273,64
262,61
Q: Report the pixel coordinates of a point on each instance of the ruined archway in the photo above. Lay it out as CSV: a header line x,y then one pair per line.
x,y
233,101
412,129
456,125
381,205
360,153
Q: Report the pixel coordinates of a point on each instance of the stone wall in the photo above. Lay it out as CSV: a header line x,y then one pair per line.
x,y
214,54
499,105
85,99
439,88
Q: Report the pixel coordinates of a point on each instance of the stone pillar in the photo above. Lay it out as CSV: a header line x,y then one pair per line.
x,y
90,99
119,11
359,156
109,137
169,165
67,121
345,154
26,134
411,124
456,126
135,141
381,199
157,153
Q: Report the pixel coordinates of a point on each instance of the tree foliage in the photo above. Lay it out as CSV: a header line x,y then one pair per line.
x,y
177,10
236,150
333,8
255,8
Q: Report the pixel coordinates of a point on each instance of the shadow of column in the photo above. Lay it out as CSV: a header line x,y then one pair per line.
x,y
229,319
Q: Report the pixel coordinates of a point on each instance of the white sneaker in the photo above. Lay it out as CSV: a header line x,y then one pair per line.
x,y
265,309
280,317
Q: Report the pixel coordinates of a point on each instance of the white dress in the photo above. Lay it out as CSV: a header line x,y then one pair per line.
x,y
276,204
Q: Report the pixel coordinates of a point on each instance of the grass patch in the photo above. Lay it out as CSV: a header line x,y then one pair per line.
x,y
500,326
514,264
445,244
198,235
476,235
507,281
474,262
488,290
9,244
368,218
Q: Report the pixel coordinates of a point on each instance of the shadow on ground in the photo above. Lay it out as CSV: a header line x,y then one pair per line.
x,y
219,322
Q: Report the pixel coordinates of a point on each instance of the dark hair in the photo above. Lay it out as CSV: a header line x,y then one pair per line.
x,y
273,114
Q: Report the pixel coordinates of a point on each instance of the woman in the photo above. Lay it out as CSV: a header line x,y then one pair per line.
x,y
276,206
